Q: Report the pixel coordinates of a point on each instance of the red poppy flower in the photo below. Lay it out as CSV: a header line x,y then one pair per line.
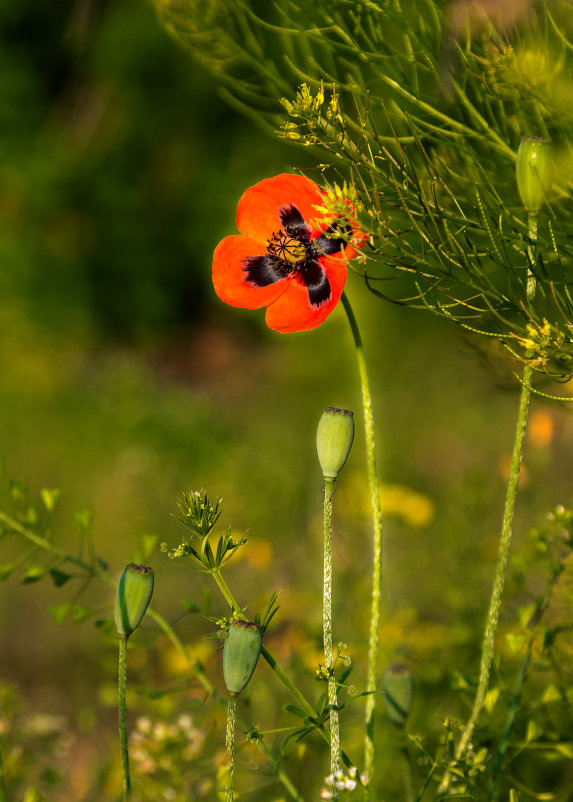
x,y
283,258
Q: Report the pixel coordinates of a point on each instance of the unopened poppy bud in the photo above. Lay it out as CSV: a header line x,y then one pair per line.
x,y
334,438
398,687
534,171
133,596
240,654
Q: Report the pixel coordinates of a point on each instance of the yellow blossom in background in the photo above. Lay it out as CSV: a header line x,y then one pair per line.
x,y
201,650
540,428
257,553
398,501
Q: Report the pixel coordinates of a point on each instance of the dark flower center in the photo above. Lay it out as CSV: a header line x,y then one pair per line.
x,y
291,252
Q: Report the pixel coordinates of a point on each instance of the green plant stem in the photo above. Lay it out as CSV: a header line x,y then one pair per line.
x,y
230,744
377,545
121,705
99,573
165,626
234,605
505,539
327,632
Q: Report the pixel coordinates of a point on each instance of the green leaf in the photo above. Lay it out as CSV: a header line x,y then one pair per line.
x,y
296,711
32,573
565,749
18,489
6,570
59,578
147,547
191,606
83,520
50,496
491,698
59,612
551,694
81,613
28,517
534,731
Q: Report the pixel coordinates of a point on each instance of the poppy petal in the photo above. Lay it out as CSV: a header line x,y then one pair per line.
x,y
294,309
231,261
314,278
293,222
258,208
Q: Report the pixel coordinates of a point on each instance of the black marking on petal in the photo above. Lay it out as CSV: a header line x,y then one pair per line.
x,y
260,271
314,277
328,244
293,223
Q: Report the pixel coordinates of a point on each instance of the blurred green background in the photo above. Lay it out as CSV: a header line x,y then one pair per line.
x,y
125,382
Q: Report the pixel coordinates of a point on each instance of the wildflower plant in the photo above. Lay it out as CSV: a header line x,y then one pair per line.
x,y
444,178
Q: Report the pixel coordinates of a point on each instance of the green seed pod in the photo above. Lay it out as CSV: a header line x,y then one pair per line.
x,y
240,654
398,687
534,171
133,596
334,438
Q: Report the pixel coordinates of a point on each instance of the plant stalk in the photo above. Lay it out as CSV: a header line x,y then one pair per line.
x,y
377,541
121,694
230,744
506,532
327,632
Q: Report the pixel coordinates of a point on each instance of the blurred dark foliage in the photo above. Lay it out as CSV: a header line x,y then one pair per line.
x,y
119,170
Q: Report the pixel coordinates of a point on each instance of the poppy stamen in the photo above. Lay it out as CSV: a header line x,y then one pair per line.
x,y
288,250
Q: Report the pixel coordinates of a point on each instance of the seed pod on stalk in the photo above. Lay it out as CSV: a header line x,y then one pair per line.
x,y
534,171
133,596
334,438
240,654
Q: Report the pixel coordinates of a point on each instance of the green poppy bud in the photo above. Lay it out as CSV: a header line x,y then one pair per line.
x,y
133,596
240,654
398,687
334,438
534,171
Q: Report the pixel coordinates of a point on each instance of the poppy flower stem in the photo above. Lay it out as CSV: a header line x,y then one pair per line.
x,y
327,632
377,545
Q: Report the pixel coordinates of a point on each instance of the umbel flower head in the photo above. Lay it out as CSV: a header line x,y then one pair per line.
x,y
286,257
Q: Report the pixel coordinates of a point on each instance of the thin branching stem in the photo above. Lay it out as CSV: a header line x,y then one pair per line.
x,y
505,540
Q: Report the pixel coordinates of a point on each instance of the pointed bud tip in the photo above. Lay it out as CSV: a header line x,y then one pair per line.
x,y
134,593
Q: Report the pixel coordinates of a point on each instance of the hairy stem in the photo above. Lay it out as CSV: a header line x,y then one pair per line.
x,y
505,539
121,705
230,744
377,545
327,632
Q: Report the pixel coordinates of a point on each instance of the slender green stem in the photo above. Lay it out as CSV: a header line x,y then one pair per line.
x,y
224,588
408,779
505,539
230,744
377,547
168,630
121,691
327,632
